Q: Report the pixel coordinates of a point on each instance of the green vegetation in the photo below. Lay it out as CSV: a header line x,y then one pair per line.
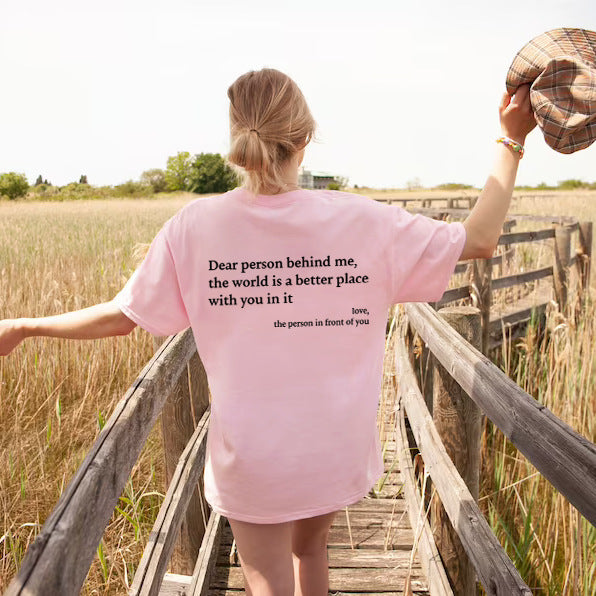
x,y
209,173
178,171
202,173
156,179
13,185
570,184
453,186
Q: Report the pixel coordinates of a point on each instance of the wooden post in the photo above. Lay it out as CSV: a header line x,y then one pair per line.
x,y
179,418
458,422
561,265
585,257
506,248
482,287
449,203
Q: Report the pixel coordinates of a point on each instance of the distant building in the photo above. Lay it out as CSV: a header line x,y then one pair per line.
x,y
314,180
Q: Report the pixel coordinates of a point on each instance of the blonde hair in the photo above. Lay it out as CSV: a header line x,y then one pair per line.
x,y
269,123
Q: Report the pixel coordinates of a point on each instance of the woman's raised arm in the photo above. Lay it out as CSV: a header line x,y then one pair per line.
x,y
484,224
94,322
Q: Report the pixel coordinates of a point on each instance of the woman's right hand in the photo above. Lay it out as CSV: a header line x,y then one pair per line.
x,y
12,334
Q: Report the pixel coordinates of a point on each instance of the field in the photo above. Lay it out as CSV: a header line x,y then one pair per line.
x,y
56,395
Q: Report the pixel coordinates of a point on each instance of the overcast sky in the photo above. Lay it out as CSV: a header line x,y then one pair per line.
x,y
400,90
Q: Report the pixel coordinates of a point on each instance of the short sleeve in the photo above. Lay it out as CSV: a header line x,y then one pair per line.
x,y
152,297
423,255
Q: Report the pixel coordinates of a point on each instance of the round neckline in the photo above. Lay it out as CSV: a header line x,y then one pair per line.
x,y
279,200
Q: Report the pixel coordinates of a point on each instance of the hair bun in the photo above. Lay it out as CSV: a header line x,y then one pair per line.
x,y
269,123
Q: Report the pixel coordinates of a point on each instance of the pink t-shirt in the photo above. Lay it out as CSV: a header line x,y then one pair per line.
x,y
287,297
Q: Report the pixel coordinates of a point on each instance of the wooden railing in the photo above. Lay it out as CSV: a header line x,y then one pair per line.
x,y
479,291
59,559
562,456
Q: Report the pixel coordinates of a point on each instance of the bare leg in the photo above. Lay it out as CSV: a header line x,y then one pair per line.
x,y
309,551
266,557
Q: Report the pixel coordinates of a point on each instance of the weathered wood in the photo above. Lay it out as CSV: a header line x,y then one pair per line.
x,y
180,415
495,570
431,561
362,579
564,457
517,237
365,538
354,559
463,266
585,257
561,265
483,292
454,294
174,584
160,545
507,281
59,559
457,420
373,518
417,591
519,316
203,571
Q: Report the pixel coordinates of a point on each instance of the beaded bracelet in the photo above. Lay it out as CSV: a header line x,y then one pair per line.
x,y
512,145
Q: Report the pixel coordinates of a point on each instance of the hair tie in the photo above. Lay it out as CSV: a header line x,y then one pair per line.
x,y
254,130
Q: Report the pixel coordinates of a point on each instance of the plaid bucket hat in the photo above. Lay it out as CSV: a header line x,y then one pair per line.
x,y
560,65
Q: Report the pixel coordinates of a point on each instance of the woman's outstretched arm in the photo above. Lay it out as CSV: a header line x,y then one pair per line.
x,y
484,224
101,320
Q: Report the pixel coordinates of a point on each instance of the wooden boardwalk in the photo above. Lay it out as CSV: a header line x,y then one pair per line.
x,y
370,543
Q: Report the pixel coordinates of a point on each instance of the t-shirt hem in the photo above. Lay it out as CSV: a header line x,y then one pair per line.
x,y
286,517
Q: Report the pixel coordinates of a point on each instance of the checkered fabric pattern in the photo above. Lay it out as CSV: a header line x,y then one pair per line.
x,y
560,65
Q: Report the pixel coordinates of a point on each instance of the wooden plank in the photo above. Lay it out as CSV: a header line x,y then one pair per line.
x,y
484,297
180,415
367,504
203,571
454,294
458,422
494,569
174,584
415,592
517,237
59,559
513,318
352,580
368,538
160,545
463,266
432,566
564,457
562,265
356,558
520,278
584,259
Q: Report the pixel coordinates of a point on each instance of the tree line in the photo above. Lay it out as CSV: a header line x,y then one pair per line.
x,y
201,173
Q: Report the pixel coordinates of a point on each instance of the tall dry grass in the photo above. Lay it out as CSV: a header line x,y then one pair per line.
x,y
552,546
56,395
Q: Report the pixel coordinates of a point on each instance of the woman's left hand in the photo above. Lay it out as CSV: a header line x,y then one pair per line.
x,y
11,335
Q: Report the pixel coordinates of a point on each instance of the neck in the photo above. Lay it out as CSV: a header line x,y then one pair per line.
x,y
290,174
